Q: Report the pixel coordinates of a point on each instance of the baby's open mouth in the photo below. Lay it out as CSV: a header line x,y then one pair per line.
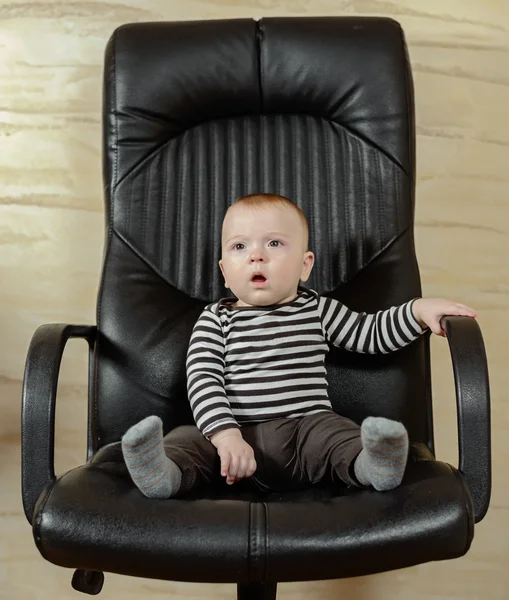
x,y
258,278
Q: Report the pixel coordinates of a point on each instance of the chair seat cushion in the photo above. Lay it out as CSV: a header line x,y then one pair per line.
x,y
94,518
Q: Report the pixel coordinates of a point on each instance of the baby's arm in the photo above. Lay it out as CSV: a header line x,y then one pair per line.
x,y
209,401
369,333
205,377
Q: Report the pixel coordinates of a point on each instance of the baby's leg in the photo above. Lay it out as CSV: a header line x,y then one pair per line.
x,y
327,445
277,463
373,454
170,466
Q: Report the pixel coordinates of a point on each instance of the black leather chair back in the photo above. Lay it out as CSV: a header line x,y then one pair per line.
x,y
197,114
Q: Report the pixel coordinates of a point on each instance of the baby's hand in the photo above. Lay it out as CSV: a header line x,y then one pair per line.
x,y
429,311
237,456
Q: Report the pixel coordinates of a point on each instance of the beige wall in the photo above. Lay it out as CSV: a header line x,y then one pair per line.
x,y
51,237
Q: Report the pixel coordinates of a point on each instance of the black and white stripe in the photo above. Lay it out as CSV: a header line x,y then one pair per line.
x,y
256,363
382,332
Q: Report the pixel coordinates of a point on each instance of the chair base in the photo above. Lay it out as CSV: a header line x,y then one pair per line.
x,y
91,582
256,591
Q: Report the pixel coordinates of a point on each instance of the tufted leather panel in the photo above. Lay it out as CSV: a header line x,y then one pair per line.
x,y
330,126
170,206
353,71
161,79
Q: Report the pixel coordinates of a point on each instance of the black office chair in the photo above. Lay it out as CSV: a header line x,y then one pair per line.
x,y
196,114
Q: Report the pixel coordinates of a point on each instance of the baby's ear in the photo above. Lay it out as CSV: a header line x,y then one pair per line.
x,y
222,271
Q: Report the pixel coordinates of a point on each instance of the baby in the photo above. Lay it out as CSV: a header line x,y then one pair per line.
x,y
256,376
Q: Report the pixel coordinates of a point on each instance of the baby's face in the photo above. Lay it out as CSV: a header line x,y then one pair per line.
x,y
268,240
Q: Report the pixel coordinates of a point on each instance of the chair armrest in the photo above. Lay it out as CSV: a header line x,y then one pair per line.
x,y
38,406
473,407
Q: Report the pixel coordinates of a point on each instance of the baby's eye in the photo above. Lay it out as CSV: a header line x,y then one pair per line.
x,y
235,246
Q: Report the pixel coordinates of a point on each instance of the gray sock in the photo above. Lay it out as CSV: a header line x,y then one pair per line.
x,y
151,470
383,458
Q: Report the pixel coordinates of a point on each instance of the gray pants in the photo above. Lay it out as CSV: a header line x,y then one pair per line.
x,y
290,453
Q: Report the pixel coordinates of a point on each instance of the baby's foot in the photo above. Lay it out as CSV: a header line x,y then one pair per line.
x,y
383,458
151,470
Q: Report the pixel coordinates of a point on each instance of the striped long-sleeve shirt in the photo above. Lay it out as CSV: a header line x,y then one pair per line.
x,y
253,364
